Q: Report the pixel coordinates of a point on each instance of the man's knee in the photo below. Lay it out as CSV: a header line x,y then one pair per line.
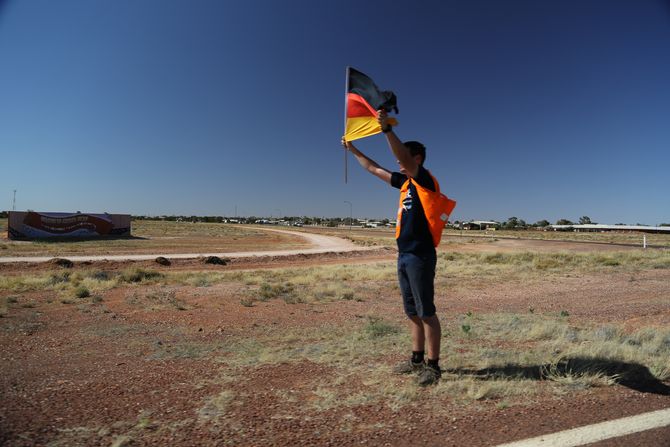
x,y
430,320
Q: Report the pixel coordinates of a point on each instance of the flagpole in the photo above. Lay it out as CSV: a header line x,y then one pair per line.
x,y
346,92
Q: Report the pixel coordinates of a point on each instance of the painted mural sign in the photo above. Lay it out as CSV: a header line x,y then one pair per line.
x,y
36,225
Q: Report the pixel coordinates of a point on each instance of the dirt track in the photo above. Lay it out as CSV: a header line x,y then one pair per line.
x,y
321,243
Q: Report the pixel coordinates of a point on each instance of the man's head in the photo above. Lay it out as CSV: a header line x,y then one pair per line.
x,y
416,148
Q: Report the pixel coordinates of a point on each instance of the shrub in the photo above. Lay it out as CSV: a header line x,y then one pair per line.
x,y
82,292
606,333
100,275
607,261
545,263
139,275
215,260
269,291
57,278
162,261
495,258
61,262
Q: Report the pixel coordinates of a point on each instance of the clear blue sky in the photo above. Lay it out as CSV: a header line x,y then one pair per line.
x,y
535,109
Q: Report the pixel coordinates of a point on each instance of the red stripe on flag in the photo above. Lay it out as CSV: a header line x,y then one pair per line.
x,y
357,106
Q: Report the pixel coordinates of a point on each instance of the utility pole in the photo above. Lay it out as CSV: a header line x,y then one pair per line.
x,y
350,213
14,202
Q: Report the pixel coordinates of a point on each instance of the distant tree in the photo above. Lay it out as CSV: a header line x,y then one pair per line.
x,y
511,223
585,220
4,214
514,223
664,225
542,223
564,222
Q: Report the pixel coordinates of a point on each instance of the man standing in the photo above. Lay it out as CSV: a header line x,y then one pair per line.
x,y
416,248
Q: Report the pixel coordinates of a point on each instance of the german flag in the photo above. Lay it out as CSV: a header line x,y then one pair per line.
x,y
362,102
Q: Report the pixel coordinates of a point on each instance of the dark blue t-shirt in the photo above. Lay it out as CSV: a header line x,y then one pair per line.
x,y
414,235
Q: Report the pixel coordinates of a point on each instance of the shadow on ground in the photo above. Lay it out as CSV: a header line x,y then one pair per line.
x,y
630,375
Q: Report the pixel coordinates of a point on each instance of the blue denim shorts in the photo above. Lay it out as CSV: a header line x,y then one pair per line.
x,y
416,275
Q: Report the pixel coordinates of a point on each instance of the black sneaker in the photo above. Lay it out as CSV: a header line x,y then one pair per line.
x,y
429,376
408,367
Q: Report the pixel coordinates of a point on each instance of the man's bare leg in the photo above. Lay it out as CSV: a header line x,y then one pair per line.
x,y
418,334
433,334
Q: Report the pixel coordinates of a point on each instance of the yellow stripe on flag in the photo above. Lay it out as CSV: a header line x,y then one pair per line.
x,y
364,126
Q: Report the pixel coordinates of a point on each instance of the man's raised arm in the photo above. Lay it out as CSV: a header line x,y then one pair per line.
x,y
367,163
401,152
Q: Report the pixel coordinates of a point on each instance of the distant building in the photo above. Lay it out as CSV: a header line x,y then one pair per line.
x,y
603,228
481,225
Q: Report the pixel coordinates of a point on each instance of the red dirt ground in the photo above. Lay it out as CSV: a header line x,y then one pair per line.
x,y
113,373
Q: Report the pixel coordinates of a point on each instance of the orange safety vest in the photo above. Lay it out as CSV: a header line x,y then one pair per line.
x,y
436,206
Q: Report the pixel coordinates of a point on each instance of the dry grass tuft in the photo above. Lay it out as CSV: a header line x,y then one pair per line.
x,y
216,406
139,275
156,299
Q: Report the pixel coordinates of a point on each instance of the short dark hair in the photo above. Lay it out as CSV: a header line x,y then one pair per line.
x,y
416,148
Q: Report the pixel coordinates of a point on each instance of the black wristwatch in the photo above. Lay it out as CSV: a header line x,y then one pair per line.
x,y
387,129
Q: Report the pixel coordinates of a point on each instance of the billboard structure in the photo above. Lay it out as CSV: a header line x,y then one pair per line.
x,y
37,225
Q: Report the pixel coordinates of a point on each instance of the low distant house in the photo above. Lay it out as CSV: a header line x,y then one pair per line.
x,y
481,225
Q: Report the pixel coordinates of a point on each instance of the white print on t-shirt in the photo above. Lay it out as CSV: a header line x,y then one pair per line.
x,y
407,201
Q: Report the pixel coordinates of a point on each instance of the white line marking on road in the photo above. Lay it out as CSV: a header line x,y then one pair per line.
x,y
598,432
